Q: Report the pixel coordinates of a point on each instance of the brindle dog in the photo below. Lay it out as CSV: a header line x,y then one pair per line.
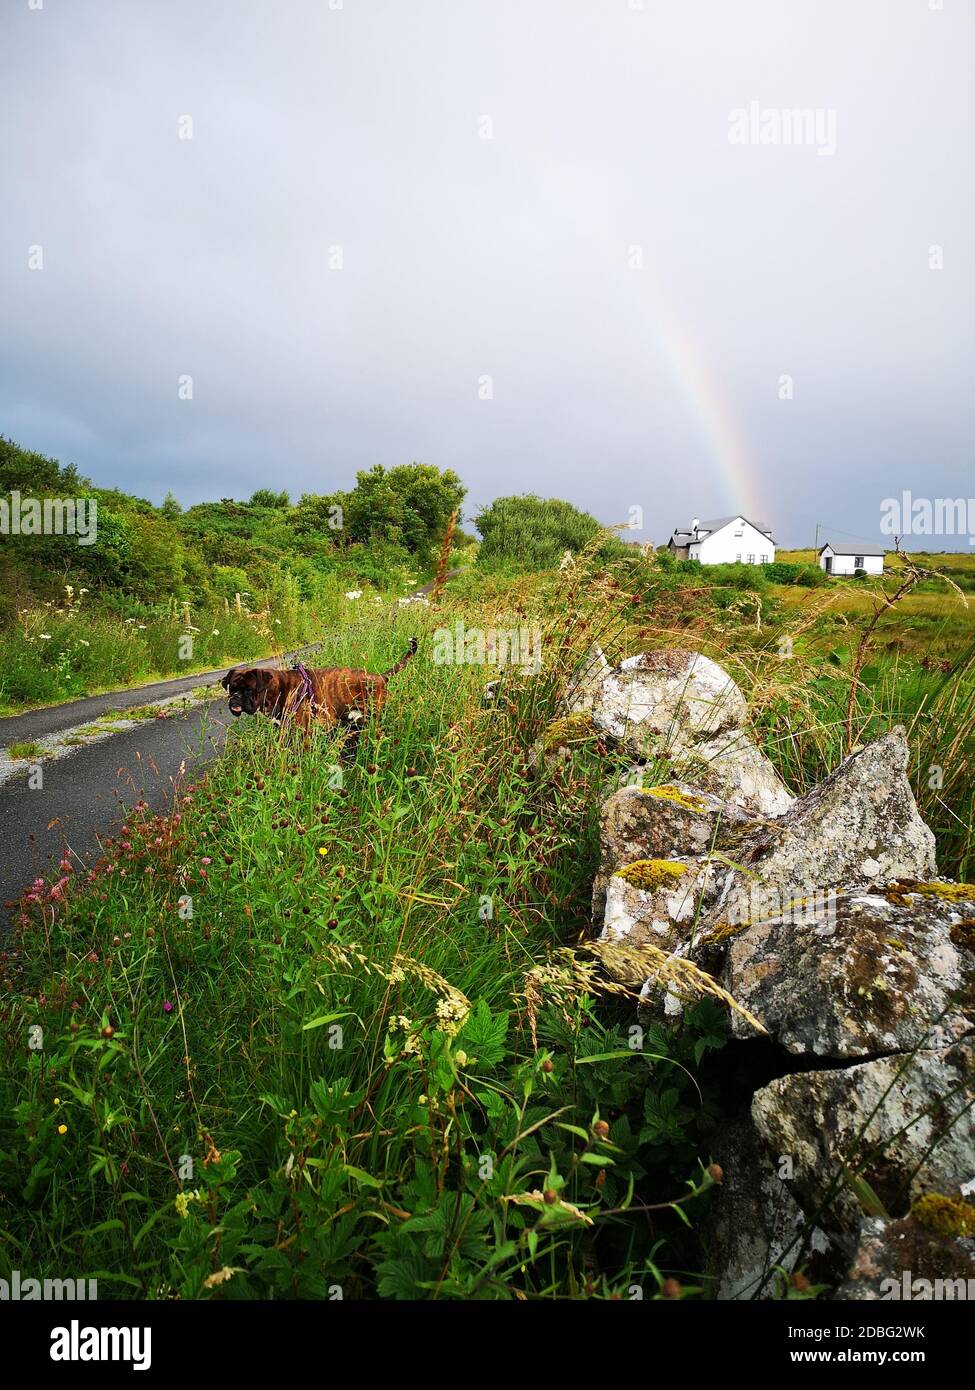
x,y
338,697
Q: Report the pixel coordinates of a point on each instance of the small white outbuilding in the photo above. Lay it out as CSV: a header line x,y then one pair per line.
x,y
866,560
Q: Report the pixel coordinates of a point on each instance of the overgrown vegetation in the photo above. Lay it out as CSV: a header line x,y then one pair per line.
x,y
323,1027
164,591
340,1026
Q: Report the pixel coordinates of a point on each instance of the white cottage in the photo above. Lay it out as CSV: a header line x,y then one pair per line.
x,y
727,540
867,559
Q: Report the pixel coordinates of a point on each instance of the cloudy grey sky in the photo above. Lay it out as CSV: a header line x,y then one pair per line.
x,y
539,192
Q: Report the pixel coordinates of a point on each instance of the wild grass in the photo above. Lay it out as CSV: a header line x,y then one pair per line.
x,y
27,749
132,712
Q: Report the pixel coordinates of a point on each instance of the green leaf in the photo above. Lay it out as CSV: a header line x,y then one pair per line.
x,y
403,1279
483,1034
865,1195
358,1175
624,1052
112,1225
322,1019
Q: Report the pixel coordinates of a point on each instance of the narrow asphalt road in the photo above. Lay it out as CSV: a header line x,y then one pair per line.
x,y
38,723
84,795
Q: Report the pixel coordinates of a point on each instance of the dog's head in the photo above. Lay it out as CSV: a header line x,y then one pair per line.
x,y
250,690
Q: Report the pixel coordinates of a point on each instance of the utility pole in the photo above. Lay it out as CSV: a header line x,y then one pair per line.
x,y
816,546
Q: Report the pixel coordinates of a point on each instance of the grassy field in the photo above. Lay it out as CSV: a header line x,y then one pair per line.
x,y
337,1026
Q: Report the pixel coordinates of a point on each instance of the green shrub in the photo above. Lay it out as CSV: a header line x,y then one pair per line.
x,y
533,533
783,572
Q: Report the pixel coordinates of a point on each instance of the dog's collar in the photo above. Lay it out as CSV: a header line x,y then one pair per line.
x,y
307,690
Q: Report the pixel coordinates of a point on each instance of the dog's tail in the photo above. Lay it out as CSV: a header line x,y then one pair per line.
x,y
394,670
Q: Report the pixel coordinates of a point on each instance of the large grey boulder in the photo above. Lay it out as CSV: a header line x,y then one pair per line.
x,y
682,712
828,986
905,1124
860,827
652,700
860,974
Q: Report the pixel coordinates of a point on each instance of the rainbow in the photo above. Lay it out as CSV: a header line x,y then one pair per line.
x,y
708,408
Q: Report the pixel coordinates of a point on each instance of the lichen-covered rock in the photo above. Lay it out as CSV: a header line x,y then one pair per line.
x,y
854,975
731,766
682,711
654,699
835,934
860,827
905,1260
752,1223
905,1124
673,821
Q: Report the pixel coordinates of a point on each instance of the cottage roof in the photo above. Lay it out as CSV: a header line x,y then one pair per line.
x,y
853,550
683,535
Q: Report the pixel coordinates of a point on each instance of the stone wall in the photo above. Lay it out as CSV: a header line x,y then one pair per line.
x,y
824,917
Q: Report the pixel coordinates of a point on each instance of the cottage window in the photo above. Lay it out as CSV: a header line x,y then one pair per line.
x,y
751,559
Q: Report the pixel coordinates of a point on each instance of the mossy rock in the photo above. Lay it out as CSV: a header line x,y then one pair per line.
x,y
685,799
949,1216
651,874
903,889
